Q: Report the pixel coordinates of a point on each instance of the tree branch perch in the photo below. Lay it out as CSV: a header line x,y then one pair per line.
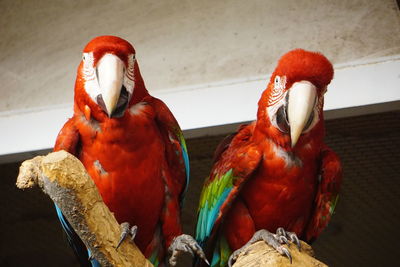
x,y
261,255
63,177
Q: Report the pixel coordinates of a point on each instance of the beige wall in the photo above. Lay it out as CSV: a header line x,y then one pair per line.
x,y
181,43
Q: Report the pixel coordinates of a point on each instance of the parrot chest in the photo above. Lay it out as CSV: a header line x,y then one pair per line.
x,y
126,162
281,192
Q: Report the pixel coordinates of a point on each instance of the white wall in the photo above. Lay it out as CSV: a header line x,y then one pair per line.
x,y
202,57
181,43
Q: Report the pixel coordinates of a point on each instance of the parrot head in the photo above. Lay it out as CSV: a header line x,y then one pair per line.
x,y
108,79
291,108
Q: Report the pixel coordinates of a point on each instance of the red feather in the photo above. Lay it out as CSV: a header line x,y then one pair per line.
x,y
135,161
275,184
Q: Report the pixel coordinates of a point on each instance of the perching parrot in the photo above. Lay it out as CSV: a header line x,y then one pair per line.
x,y
132,147
275,174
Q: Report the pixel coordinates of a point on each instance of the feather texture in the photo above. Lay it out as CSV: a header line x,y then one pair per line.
x,y
138,160
260,181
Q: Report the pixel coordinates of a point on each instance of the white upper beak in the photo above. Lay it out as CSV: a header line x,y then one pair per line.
x,y
302,96
110,75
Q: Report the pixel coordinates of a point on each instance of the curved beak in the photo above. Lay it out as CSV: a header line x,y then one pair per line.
x,y
302,96
110,75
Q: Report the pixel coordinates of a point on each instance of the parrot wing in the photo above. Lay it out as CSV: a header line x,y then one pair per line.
x,y
68,138
235,161
327,194
175,146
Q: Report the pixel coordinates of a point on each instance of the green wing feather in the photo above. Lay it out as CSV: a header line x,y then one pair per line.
x,y
212,197
236,160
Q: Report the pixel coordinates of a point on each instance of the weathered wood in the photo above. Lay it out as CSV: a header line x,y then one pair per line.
x,y
63,177
261,255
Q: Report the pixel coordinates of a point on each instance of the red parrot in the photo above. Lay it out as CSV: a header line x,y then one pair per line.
x,y
275,174
132,147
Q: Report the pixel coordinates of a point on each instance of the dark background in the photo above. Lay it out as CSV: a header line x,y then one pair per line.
x,y
363,232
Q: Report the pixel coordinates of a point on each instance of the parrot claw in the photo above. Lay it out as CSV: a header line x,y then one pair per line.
x,y
235,255
274,240
282,250
282,234
185,243
126,229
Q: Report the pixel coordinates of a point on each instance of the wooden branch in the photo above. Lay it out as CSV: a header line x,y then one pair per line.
x,y
260,254
63,177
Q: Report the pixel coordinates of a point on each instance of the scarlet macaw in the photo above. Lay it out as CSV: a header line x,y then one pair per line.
x,y
275,174
132,147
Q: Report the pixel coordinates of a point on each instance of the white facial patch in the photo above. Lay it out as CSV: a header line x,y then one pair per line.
x,y
89,74
129,79
277,93
277,98
92,87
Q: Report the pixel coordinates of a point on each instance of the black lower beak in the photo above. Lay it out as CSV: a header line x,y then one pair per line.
x,y
283,121
122,103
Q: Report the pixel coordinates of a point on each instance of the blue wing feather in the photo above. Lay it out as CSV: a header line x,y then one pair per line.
x,y
80,250
185,156
212,198
221,188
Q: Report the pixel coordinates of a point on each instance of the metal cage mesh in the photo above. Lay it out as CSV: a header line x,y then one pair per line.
x,y
363,232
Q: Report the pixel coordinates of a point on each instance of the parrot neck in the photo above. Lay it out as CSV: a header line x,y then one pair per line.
x,y
266,132
139,91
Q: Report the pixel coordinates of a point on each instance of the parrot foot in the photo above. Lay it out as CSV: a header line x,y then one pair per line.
x,y
185,243
288,236
126,229
274,240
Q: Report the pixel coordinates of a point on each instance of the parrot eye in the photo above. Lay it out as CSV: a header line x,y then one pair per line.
x,y
87,57
277,81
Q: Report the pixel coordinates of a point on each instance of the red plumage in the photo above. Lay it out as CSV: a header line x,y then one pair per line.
x,y
275,183
136,160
